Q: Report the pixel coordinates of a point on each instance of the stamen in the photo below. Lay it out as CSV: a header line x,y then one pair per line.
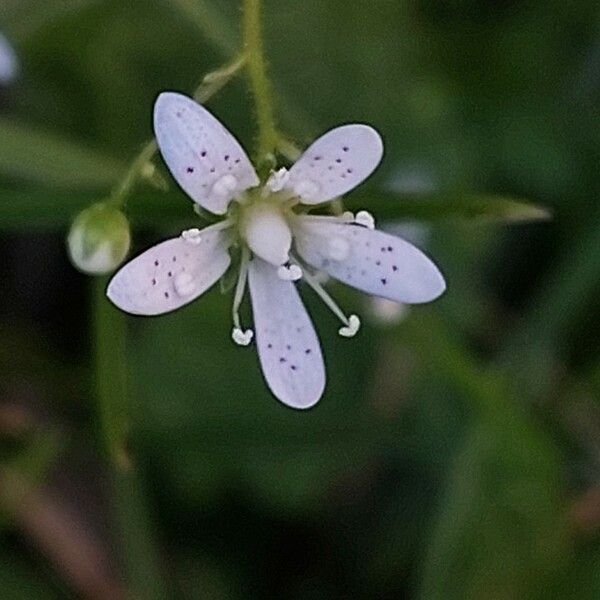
x,y
289,272
351,323
352,328
365,219
238,334
194,235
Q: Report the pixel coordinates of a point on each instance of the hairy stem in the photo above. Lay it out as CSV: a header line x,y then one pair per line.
x,y
259,83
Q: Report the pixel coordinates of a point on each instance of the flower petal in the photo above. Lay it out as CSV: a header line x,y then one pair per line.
x,y
205,159
336,163
170,274
288,347
372,261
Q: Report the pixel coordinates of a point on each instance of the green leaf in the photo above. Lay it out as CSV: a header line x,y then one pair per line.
x,y
41,209
388,206
501,532
41,157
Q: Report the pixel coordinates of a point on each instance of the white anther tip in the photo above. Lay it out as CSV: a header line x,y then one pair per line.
x,y
352,328
277,180
192,236
241,337
365,219
347,216
289,273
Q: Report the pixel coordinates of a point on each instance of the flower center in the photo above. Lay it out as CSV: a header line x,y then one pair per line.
x,y
265,229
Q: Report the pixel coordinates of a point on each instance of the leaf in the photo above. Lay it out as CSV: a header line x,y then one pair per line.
x,y
40,209
388,206
41,157
501,532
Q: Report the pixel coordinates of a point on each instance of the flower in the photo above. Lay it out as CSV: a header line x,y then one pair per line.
x,y
279,242
9,66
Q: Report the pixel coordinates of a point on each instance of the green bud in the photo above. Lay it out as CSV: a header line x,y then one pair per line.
x,y
99,239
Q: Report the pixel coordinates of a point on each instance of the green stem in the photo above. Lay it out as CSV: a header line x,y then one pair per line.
x,y
215,81
259,82
125,185
111,378
134,527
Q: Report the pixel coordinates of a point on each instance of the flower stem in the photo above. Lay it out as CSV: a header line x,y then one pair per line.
x,y
133,525
111,378
259,84
120,192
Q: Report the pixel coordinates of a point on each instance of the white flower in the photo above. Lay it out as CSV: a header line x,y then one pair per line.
x,y
278,243
9,65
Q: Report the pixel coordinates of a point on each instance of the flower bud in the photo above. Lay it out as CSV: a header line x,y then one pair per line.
x,y
99,239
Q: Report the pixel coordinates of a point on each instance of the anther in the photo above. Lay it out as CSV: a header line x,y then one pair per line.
x,y
192,236
289,272
365,219
352,328
241,337
277,181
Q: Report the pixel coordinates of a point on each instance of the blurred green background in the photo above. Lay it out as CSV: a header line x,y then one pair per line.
x,y
456,452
